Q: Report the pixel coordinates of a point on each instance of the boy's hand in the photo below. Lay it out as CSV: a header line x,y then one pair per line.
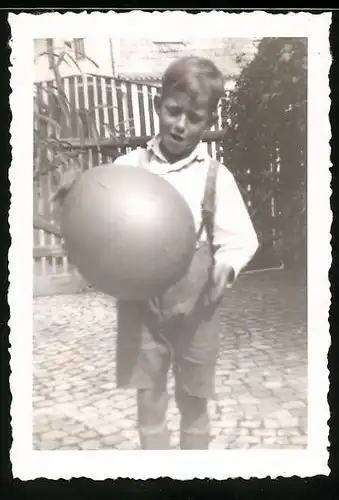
x,y
223,275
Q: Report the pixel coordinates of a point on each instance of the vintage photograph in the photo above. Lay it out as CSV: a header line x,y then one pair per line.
x,y
170,243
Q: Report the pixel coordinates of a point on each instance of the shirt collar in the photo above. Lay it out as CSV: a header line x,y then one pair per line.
x,y
198,154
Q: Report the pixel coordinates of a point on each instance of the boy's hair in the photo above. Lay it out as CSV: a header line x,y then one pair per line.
x,y
194,75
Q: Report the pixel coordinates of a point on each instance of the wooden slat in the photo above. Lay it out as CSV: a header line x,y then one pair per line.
x,y
209,136
120,125
49,251
99,102
53,239
132,117
140,106
95,104
36,235
154,92
146,111
81,89
106,104
72,100
151,110
60,284
40,222
124,102
115,111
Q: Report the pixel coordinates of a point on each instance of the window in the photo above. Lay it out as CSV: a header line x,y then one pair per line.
x,y
169,47
79,48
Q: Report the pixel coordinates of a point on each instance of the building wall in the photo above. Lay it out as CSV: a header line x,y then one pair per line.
x,y
96,49
135,58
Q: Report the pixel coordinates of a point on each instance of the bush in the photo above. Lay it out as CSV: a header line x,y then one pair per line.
x,y
265,144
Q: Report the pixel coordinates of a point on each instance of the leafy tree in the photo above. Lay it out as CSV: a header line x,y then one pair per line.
x,y
265,144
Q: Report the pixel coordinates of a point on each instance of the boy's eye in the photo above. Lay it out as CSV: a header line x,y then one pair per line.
x,y
177,110
174,110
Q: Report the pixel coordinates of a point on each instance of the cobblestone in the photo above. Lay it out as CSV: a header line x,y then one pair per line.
x,y
247,440
271,424
45,445
300,440
41,428
105,430
88,435
65,398
293,405
227,402
130,434
265,432
74,428
53,435
229,424
275,440
297,412
92,444
58,424
283,415
261,379
288,432
126,424
70,440
127,445
113,440
292,422
251,424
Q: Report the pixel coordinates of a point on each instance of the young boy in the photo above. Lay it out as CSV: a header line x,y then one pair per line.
x,y
147,346
186,107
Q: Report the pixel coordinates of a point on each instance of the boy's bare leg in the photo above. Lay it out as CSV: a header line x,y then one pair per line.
x,y
152,407
143,361
196,341
194,428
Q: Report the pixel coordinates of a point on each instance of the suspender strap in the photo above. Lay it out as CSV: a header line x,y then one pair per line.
x,y
208,205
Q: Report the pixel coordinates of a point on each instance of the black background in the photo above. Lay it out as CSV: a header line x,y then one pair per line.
x,y
294,488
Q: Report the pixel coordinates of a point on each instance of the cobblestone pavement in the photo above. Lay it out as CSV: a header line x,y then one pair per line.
x,y
261,381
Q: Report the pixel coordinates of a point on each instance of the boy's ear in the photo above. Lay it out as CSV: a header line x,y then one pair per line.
x,y
157,102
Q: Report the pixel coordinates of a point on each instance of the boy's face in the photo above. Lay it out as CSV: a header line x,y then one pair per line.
x,y
182,122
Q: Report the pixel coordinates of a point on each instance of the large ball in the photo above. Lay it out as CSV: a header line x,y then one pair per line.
x,y
128,231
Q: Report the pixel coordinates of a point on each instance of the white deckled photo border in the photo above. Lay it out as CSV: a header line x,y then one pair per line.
x,y
28,464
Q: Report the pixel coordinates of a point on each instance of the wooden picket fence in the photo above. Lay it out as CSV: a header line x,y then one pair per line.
x,y
124,107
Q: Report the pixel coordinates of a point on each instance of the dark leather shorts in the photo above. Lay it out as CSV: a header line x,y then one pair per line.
x,y
146,349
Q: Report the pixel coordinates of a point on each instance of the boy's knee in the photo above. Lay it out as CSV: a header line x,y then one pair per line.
x,y
196,379
195,424
152,405
153,431
192,408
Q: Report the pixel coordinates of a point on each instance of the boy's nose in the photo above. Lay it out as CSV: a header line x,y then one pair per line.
x,y
180,125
